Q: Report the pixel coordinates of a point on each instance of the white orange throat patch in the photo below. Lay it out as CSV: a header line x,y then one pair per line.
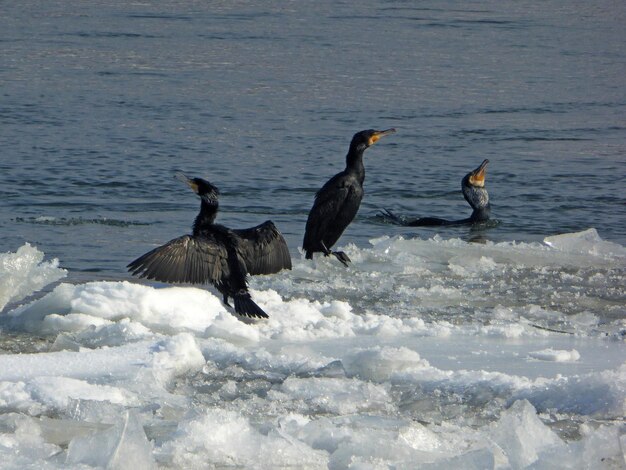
x,y
478,180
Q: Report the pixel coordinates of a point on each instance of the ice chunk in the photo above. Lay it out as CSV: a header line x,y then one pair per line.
x,y
77,307
555,355
94,411
14,396
23,273
64,342
374,442
108,334
332,395
231,329
21,442
598,394
585,242
168,310
100,365
56,392
31,316
338,309
62,431
224,439
419,437
176,355
598,449
71,322
380,364
322,433
522,436
467,266
603,445
122,446
481,459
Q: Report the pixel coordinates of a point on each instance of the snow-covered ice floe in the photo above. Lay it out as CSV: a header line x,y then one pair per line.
x,y
24,272
427,354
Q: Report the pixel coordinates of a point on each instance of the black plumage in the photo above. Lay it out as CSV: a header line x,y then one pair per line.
x,y
216,254
338,201
474,192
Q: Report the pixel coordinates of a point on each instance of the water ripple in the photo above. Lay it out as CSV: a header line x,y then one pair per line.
x,y
63,221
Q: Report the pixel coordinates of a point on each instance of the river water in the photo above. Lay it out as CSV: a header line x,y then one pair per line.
x,y
102,103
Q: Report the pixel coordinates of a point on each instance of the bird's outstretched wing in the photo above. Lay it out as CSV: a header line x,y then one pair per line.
x,y
185,259
263,249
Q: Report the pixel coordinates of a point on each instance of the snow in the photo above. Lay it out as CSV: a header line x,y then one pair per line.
x,y
424,354
555,355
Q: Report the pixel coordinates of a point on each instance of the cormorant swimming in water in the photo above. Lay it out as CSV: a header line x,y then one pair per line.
x,y
474,192
338,201
216,254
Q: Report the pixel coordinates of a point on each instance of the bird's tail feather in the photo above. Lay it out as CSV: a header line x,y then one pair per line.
x,y
245,306
388,216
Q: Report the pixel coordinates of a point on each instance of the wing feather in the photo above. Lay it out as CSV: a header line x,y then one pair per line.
x,y
263,248
185,259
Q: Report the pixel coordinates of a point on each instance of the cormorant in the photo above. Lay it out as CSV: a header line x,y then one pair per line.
x,y
216,254
474,192
338,201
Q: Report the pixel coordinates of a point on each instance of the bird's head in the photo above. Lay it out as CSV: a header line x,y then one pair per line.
x,y
473,186
369,137
201,187
477,177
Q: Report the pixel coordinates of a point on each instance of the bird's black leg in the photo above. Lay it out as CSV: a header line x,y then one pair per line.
x,y
225,296
340,255
325,250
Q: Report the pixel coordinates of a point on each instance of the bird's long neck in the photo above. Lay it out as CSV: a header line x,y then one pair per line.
x,y
481,214
354,161
206,217
478,198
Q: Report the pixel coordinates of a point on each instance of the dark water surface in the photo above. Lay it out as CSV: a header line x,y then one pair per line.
x,y
102,103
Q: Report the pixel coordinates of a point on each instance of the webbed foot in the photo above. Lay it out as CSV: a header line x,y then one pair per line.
x,y
341,256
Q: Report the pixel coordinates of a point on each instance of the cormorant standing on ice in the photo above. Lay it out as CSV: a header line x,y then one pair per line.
x,y
216,254
338,201
474,192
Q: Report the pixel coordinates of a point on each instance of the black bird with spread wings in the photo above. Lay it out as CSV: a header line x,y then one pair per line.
x,y
338,201
474,192
216,254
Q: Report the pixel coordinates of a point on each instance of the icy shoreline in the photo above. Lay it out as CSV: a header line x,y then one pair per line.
x,y
340,375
